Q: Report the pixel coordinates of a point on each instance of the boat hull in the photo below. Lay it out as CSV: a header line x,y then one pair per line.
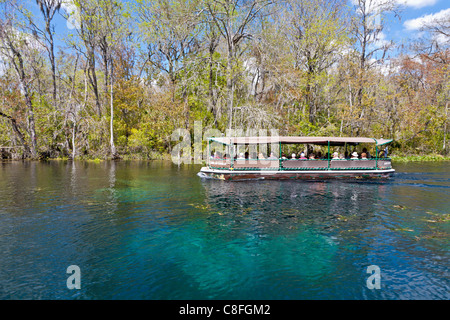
x,y
236,175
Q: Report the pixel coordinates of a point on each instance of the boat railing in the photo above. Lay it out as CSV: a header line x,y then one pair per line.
x,y
310,164
301,164
220,163
344,164
256,164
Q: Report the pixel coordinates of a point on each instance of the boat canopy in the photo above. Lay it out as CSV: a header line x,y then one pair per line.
x,y
332,141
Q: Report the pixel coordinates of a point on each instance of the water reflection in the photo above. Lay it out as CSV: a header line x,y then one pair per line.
x,y
321,204
152,230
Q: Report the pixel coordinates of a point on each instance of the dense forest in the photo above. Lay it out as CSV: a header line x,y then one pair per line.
x,y
128,74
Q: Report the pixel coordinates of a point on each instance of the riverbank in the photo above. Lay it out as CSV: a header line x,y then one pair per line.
x,y
420,158
157,156
166,156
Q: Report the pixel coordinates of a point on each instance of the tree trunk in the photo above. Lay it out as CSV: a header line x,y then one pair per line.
x,y
230,86
17,132
114,154
18,65
52,59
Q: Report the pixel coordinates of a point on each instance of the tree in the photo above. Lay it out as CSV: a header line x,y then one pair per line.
x,y
48,9
16,46
368,26
88,17
170,30
233,18
316,35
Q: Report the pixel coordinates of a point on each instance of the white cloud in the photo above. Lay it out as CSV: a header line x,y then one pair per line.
x,y
441,39
380,40
416,24
74,16
387,67
417,3
376,5
2,67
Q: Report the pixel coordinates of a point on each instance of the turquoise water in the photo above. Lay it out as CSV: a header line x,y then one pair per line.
x,y
153,230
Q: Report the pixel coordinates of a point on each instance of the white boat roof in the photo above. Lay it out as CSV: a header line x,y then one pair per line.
x,y
299,140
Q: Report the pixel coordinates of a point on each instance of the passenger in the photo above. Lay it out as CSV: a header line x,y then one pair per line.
x,y
354,156
381,154
241,156
311,156
293,156
319,155
335,156
272,157
302,156
261,156
341,156
363,156
366,152
346,155
283,156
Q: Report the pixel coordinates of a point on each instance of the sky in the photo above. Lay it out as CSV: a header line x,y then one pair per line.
x,y
414,13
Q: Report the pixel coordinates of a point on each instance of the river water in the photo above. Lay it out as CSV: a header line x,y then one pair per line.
x,y
154,230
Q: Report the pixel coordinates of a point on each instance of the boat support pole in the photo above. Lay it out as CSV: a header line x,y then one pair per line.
x,y
280,163
208,154
376,156
328,155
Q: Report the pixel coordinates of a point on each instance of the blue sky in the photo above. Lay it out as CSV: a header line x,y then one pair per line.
x,y
413,14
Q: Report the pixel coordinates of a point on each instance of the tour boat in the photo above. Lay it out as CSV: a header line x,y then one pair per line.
x,y
230,164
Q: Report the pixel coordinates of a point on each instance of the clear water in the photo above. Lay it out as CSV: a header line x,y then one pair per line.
x,y
152,230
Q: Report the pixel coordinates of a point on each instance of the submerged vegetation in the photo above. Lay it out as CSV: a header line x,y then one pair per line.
x,y
126,75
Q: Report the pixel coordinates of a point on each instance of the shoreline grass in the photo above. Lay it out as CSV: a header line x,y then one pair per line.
x,y
159,156
420,158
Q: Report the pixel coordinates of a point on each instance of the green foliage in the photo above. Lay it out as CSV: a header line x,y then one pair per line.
x,y
172,63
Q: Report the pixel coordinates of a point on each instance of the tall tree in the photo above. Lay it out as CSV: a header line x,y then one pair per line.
x,y
316,34
48,9
233,19
17,47
170,30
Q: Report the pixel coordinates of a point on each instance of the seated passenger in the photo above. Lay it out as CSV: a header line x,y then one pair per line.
x,y
366,152
311,156
261,156
335,156
293,156
272,157
354,156
363,156
341,156
302,155
381,154
283,156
